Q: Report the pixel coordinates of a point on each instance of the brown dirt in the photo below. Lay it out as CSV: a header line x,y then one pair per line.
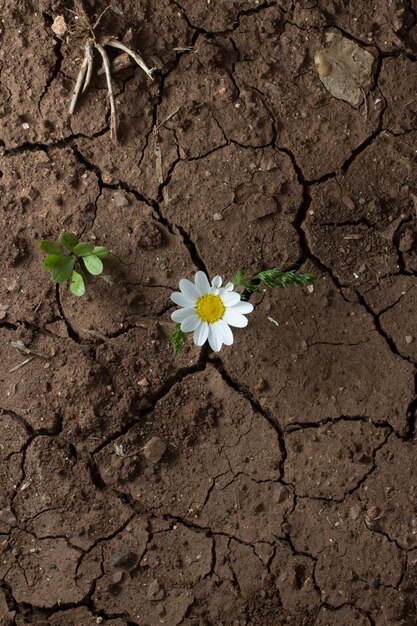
x,y
286,493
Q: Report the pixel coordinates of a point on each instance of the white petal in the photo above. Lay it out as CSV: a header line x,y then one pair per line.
x,y
189,289
201,334
217,282
202,284
214,337
230,298
235,319
181,314
225,332
242,307
229,287
190,323
182,300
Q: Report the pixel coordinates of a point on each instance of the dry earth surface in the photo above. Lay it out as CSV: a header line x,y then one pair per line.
x,y
285,492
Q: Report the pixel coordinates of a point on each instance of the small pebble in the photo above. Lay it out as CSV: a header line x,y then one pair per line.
x,y
260,385
155,591
355,512
32,193
373,512
126,560
7,517
120,200
409,339
348,202
25,126
154,449
117,577
281,493
217,217
59,26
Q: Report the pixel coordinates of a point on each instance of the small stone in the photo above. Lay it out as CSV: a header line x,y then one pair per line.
x,y
126,560
355,512
155,591
286,528
281,493
310,288
120,200
409,339
348,202
260,385
25,126
373,512
59,26
32,193
143,382
117,578
3,314
362,268
154,449
217,217
7,517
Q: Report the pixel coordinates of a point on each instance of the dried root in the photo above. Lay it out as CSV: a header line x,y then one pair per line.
x,y
86,69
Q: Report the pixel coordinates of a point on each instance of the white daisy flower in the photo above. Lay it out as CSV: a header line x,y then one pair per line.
x,y
209,310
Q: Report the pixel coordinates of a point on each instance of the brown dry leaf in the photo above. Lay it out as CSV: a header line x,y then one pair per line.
x,y
345,69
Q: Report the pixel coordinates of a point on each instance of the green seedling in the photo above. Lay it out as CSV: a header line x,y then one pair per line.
x,y
178,339
271,278
70,266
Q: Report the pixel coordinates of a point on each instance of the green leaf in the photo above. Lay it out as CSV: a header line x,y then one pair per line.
x,y
62,270
178,339
93,264
51,260
101,252
68,240
49,247
276,278
77,286
83,249
271,278
238,281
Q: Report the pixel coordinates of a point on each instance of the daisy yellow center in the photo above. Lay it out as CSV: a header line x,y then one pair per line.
x,y
210,308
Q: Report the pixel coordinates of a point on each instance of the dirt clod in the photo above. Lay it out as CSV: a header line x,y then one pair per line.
x,y
154,449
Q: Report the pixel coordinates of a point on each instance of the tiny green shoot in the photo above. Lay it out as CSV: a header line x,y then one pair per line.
x,y
178,339
71,266
271,278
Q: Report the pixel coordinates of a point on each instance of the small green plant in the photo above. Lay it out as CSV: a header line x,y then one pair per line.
x,y
271,278
68,266
178,339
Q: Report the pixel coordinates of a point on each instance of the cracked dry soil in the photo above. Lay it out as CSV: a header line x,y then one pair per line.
x,y
287,494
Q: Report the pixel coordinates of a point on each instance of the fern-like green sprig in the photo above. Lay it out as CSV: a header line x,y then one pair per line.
x,y
271,278
178,339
